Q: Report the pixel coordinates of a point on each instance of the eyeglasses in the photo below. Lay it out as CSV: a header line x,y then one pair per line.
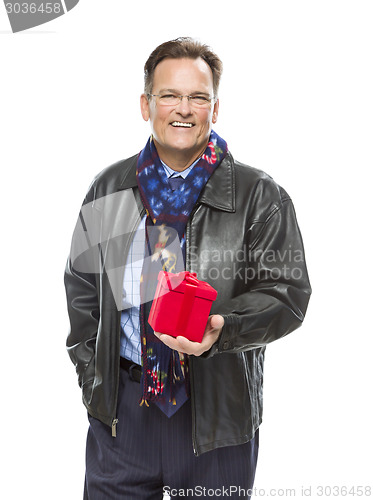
x,y
199,101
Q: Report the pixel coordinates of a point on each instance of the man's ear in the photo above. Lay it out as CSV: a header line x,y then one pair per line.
x,y
215,112
144,105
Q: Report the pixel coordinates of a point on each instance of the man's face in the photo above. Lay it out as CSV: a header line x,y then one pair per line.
x,y
180,77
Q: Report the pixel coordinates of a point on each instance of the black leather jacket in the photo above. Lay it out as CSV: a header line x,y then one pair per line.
x,y
243,238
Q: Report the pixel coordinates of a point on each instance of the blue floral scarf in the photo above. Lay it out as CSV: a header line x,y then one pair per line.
x,y
165,370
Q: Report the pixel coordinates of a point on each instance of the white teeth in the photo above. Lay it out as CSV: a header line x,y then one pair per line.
x,y
181,124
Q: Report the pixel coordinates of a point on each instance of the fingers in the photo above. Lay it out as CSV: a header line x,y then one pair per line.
x,y
181,344
216,321
169,341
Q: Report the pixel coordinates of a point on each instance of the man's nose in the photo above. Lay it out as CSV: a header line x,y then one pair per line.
x,y
184,107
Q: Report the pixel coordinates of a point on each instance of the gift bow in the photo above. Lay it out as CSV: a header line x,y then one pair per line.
x,y
174,280
191,278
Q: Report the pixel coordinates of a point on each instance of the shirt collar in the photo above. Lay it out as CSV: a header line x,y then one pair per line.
x,y
173,173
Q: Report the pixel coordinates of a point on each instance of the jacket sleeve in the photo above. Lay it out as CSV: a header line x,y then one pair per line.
x,y
277,288
82,303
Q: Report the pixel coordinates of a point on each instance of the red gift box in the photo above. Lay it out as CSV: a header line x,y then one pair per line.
x,y
181,305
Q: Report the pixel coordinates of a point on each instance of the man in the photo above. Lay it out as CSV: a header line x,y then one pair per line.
x,y
167,414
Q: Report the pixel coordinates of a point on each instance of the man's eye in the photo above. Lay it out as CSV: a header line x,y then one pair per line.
x,y
167,97
199,99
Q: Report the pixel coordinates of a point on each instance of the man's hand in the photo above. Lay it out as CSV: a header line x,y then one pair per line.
x,y
213,328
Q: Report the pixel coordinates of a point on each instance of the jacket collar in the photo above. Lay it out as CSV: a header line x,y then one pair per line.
x,y
129,178
218,193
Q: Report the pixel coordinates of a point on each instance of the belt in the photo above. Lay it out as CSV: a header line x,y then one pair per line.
x,y
132,368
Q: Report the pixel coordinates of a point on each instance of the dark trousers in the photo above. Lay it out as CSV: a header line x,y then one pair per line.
x,y
152,454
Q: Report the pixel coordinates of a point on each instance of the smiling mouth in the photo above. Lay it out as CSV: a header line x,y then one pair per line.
x,y
182,124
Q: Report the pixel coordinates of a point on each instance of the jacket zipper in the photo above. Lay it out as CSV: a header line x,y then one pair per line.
x,y
115,420
193,408
192,396
246,369
114,428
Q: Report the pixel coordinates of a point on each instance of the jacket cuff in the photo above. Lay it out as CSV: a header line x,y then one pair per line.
x,y
223,342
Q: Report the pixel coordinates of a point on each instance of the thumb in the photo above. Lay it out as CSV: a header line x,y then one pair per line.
x,y
216,321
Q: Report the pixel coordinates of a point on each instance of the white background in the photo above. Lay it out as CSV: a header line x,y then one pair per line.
x,y
295,101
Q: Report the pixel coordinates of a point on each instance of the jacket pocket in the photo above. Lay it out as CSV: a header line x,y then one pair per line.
x,y
88,378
